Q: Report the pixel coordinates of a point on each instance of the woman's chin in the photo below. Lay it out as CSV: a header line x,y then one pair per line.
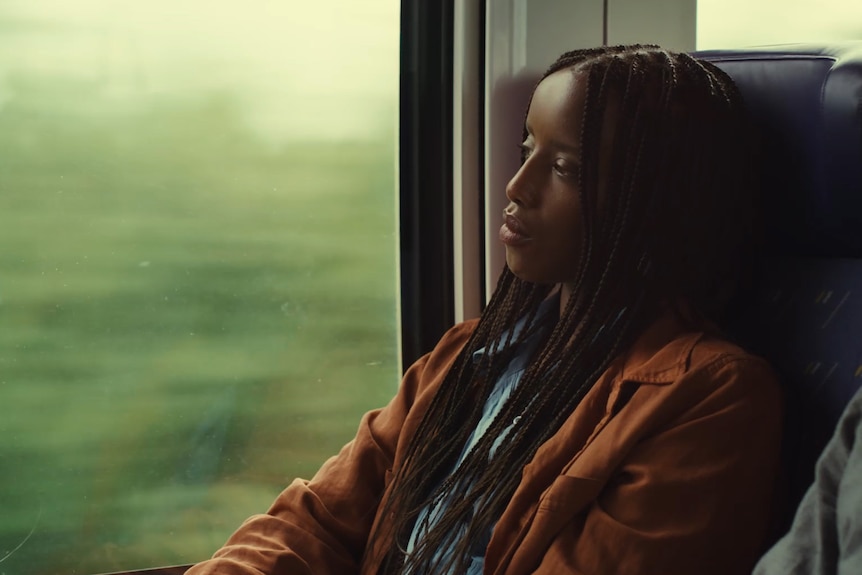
x,y
526,269
523,271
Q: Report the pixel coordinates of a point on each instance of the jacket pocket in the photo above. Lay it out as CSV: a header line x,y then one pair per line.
x,y
559,507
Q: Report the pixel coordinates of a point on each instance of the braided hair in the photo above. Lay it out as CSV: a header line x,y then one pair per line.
x,y
676,214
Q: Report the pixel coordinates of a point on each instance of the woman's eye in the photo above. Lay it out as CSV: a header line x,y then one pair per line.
x,y
565,169
526,151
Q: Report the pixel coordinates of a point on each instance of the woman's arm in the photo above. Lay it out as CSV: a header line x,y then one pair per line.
x,y
321,526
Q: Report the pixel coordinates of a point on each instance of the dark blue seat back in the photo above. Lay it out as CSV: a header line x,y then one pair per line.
x,y
807,100
804,312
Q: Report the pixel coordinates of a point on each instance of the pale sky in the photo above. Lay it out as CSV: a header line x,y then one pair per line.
x,y
737,23
333,60
301,67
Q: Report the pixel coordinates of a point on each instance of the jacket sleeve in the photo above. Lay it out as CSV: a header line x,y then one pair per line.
x,y
694,494
321,526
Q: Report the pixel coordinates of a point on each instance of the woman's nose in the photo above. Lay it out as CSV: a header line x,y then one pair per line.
x,y
519,190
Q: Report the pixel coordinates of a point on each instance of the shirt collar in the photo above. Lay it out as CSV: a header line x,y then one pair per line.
x,y
547,312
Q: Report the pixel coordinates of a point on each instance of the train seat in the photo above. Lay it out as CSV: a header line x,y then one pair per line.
x,y
804,312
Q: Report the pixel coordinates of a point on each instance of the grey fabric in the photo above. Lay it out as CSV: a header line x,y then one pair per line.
x,y
826,535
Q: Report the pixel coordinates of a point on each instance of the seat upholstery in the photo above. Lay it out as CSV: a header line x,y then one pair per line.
x,y
807,100
804,312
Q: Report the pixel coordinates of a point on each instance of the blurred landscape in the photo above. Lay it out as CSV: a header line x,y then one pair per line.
x,y
196,305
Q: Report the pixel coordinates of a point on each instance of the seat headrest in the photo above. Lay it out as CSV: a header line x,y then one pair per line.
x,y
807,100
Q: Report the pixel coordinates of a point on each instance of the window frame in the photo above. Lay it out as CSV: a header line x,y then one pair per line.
x,y
425,175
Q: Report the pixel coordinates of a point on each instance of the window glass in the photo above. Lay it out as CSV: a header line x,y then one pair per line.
x,y
198,265
740,23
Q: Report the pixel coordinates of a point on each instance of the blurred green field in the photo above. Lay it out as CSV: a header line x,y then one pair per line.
x,y
190,316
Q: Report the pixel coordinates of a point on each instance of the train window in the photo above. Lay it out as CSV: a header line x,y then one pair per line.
x,y
739,23
198,295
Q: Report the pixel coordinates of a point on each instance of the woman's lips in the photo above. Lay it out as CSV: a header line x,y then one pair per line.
x,y
512,232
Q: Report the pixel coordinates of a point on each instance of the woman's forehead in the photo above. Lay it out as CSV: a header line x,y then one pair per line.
x,y
559,98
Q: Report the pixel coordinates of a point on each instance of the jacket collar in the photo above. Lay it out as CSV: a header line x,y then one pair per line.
x,y
662,354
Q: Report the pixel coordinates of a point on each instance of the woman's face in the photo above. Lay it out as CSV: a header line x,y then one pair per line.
x,y
543,229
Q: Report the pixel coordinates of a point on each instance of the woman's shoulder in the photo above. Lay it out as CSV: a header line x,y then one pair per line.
x,y
720,374
715,351
427,372
450,344
457,335
698,356
703,374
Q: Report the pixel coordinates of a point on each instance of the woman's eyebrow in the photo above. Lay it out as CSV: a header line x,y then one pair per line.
x,y
574,149
566,147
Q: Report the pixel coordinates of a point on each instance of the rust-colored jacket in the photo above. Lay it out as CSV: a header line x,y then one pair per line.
x,y
666,467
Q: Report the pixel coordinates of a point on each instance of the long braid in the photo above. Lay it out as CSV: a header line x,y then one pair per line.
x,y
662,203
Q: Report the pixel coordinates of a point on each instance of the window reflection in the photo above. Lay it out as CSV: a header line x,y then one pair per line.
x,y
197,295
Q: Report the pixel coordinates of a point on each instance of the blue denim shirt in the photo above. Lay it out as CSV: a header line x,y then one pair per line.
x,y
502,390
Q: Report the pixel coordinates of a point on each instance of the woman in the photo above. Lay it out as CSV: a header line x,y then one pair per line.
x,y
593,420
